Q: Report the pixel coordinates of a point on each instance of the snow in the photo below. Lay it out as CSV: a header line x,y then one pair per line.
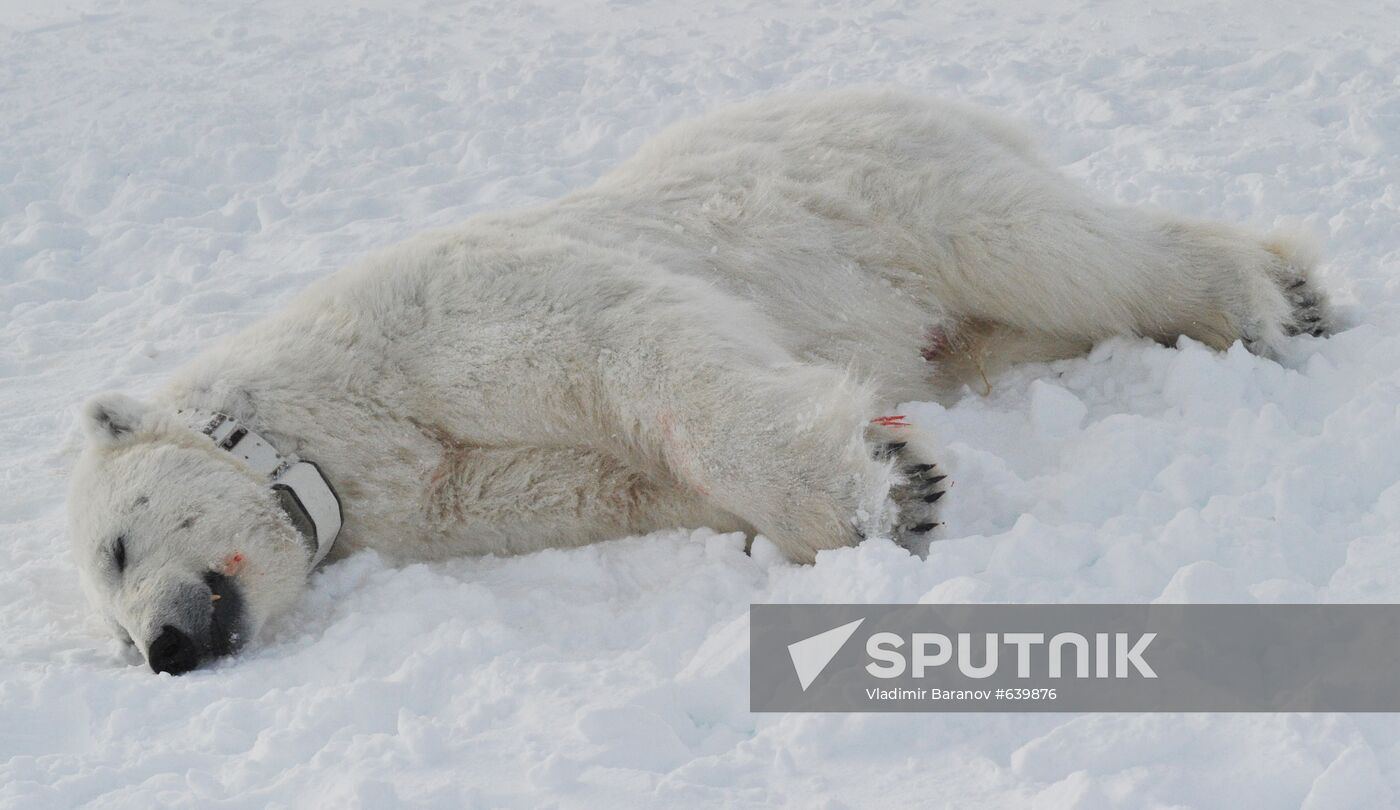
x,y
168,172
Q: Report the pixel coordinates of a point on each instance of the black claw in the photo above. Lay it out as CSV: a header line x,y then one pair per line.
x,y
1318,332
936,479
888,451
922,527
919,469
1295,285
934,496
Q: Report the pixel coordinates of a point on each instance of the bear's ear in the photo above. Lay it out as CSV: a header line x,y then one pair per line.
x,y
111,416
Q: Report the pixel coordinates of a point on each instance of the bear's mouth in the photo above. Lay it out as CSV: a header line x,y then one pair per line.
x,y
226,622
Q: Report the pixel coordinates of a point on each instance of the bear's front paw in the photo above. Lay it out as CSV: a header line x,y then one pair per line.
x,y
918,485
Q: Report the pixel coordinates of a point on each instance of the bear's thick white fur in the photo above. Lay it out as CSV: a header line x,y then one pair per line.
x,y
701,337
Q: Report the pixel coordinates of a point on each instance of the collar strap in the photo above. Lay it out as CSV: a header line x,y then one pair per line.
x,y
301,487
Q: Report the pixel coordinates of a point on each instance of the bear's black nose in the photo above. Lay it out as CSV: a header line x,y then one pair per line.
x,y
173,652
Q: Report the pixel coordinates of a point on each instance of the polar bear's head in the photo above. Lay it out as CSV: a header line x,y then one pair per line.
x,y
182,548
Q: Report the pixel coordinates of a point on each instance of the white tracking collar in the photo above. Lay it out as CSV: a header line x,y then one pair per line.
x,y
302,488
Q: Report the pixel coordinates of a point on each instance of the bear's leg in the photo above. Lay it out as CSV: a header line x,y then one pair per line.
x,y
514,499
1054,292
1219,284
797,451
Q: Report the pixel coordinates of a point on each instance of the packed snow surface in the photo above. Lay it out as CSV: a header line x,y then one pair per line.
x,y
170,171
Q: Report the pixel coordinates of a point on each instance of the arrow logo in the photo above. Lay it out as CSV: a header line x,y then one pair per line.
x,y
811,655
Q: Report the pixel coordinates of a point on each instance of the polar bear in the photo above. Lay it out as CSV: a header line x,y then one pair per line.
x,y
712,334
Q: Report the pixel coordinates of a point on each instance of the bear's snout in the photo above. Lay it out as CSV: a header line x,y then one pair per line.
x,y
201,623
173,651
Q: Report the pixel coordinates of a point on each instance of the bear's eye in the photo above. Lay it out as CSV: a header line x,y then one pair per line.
x,y
119,553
